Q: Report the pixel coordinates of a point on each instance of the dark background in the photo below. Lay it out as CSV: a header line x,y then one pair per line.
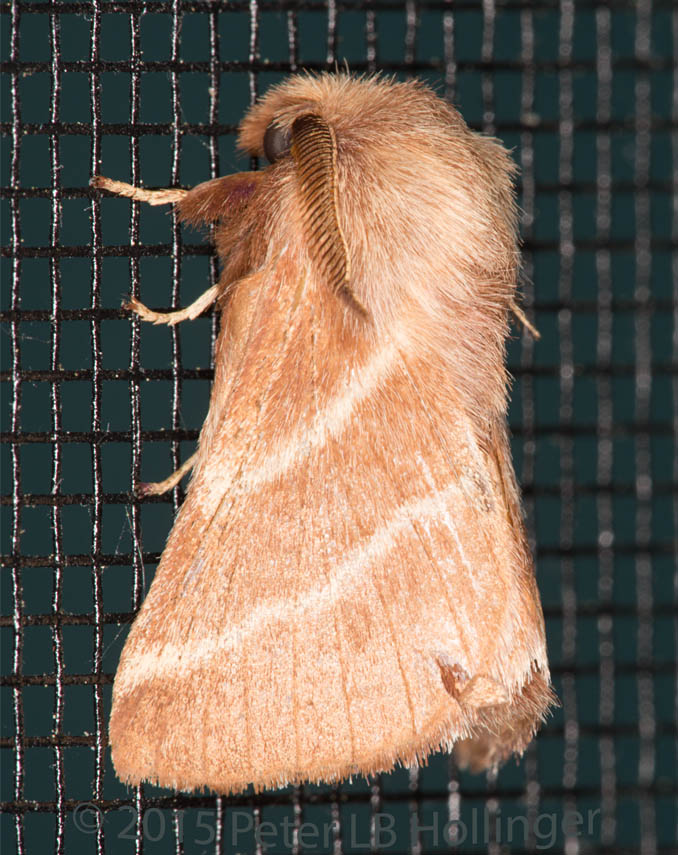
x,y
586,95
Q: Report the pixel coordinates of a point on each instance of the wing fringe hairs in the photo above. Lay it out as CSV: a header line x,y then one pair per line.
x,y
347,584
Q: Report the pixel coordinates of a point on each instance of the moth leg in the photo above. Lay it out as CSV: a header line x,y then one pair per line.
x,y
190,313
157,488
139,194
521,317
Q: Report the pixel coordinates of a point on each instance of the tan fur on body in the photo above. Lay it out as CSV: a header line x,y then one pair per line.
x,y
347,584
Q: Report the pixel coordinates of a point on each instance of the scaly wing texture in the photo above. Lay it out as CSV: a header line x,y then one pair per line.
x,y
346,584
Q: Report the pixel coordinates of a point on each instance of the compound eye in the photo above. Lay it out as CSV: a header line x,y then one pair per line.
x,y
276,143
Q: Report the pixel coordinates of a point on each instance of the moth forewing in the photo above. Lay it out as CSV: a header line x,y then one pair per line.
x,y
347,584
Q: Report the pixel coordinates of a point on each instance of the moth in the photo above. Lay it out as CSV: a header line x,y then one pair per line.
x,y
347,584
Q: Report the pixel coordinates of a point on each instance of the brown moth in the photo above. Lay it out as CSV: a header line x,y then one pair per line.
x,y
347,584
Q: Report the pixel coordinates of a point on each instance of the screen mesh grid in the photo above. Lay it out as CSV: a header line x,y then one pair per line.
x,y
586,94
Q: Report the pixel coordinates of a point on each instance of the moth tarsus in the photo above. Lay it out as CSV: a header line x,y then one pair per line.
x,y
190,313
159,488
347,584
164,196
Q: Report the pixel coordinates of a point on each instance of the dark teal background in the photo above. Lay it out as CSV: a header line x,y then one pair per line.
x,y
593,444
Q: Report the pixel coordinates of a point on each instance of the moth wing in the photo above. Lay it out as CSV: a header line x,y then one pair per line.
x,y
345,585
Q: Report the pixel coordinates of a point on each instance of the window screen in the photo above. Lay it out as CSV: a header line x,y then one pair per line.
x,y
586,95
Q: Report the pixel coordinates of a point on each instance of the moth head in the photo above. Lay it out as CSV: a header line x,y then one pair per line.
x,y
306,140
402,204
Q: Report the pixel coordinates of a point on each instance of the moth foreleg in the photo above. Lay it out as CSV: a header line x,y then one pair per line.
x,y
139,194
157,488
190,313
